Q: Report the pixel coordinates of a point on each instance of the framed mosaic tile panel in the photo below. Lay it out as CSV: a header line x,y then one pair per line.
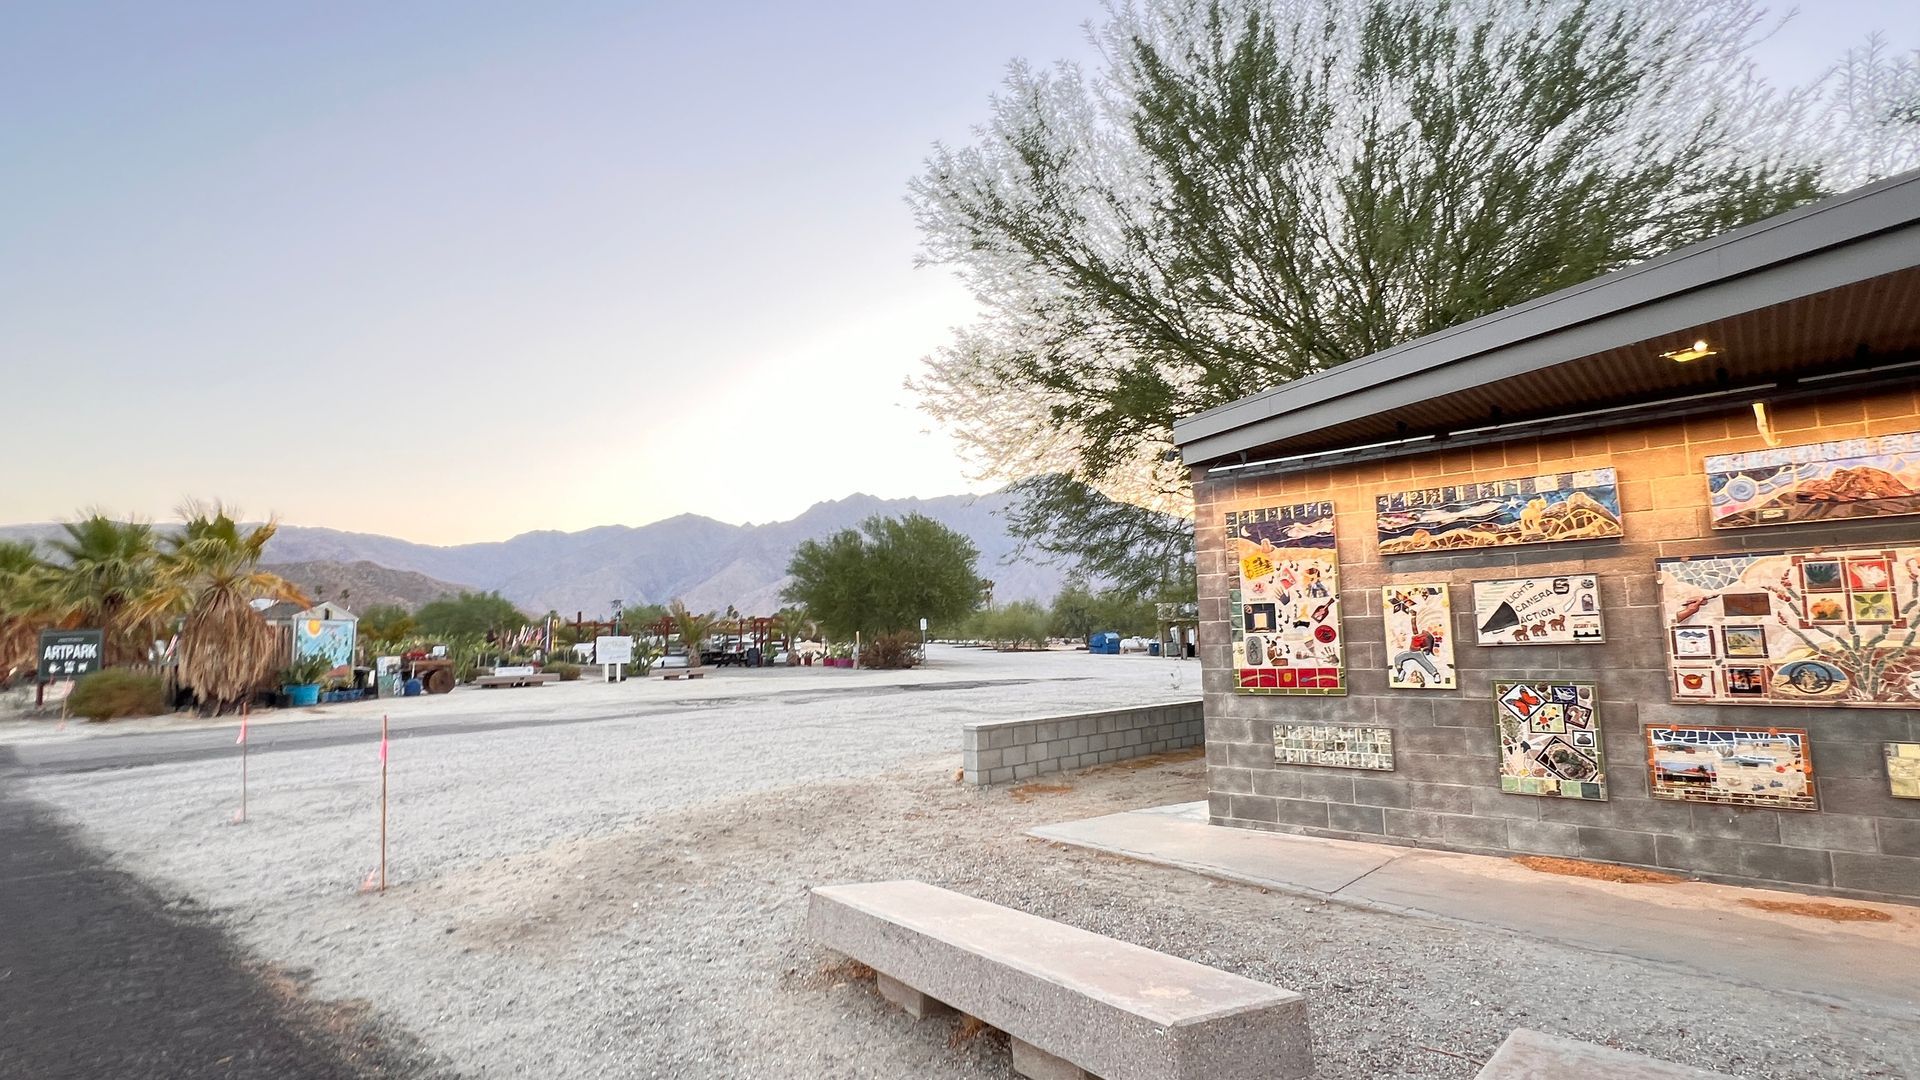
x,y
1284,606
1527,510
1903,770
1419,625
1771,767
1538,611
1829,481
1838,628
1550,740
1334,745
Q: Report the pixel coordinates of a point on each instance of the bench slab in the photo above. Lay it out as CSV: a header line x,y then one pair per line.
x,y
1535,1055
1115,1009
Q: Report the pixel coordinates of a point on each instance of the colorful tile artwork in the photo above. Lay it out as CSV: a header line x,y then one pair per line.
x,y
1538,611
1419,636
1795,628
1770,767
1903,769
1531,510
1550,739
1829,481
1331,744
1285,610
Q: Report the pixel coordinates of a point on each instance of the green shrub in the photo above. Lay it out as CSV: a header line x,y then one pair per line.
x,y
306,671
568,672
900,649
112,694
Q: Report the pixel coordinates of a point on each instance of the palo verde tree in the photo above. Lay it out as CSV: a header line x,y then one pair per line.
x,y
886,576
470,613
1246,192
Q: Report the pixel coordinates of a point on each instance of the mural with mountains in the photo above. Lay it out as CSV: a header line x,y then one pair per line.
x,y
1850,478
708,563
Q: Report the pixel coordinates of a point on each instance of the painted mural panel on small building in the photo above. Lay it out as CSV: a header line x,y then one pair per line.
x,y
331,638
1539,611
1770,767
1419,622
1550,739
1335,745
1829,481
1527,510
1285,606
1837,628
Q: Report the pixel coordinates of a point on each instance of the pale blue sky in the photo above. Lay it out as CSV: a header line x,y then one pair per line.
x,y
555,265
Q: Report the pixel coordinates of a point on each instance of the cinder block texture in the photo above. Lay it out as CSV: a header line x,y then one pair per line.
x,y
997,751
1444,789
1534,1055
1115,1009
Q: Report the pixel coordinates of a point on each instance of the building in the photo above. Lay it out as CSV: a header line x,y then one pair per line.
x,y
1630,572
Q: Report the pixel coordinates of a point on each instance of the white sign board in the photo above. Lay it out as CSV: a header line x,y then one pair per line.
x,y
613,650
923,626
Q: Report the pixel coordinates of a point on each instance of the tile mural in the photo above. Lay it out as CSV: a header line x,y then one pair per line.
x,y
1829,481
1419,636
1530,510
1334,745
1771,767
1550,739
1285,606
1903,769
1538,611
1839,628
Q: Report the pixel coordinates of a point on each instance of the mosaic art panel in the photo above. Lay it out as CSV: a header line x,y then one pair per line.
x,y
1903,769
1538,611
1829,481
1550,740
1529,510
1419,623
1771,767
1836,628
1285,604
1332,744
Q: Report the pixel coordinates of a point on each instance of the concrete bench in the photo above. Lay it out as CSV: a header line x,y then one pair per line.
x,y
493,682
1075,1003
1534,1055
685,673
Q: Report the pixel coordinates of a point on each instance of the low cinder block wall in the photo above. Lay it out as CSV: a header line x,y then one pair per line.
x,y
998,751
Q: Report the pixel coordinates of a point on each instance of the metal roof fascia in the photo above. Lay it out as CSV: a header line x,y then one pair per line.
x,y
1785,281
1889,204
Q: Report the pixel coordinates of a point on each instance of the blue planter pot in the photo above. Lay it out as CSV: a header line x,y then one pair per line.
x,y
298,696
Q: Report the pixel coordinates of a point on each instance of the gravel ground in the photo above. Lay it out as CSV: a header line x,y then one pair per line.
x,y
626,898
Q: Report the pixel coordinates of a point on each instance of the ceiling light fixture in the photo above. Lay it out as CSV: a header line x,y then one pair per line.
x,y
1681,356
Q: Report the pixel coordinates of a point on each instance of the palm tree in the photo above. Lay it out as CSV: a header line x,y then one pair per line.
x,y
210,573
22,606
103,568
693,629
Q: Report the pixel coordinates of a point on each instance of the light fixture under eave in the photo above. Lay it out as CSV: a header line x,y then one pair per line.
x,y
1699,349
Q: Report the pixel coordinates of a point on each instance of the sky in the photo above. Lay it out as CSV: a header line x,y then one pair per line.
x,y
455,271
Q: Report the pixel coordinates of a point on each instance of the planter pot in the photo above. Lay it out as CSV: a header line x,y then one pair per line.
x,y
300,696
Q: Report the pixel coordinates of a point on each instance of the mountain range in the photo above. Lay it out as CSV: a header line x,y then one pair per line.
x,y
709,564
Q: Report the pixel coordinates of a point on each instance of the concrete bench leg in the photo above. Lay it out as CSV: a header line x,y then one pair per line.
x,y
1035,1063
913,1002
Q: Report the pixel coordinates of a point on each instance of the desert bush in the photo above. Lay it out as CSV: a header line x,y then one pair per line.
x,y
1022,624
568,672
112,694
900,649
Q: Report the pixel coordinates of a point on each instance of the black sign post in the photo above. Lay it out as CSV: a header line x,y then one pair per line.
x,y
68,654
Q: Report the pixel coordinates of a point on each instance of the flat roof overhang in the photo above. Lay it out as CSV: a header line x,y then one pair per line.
x,y
1822,298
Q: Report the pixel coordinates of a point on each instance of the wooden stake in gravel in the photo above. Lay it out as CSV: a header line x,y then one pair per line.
x,y
383,802
241,817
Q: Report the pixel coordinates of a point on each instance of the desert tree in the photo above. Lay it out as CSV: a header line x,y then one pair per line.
x,y
99,571
886,576
1241,193
23,606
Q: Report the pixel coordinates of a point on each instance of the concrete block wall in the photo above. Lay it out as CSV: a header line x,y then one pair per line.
x,y
999,751
1444,790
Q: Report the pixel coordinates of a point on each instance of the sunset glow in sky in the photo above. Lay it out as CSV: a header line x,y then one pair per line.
x,y
454,271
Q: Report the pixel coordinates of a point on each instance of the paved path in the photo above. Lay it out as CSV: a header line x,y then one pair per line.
x,y
1693,926
101,977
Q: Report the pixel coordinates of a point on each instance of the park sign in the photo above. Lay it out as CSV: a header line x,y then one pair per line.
x,y
69,654
613,650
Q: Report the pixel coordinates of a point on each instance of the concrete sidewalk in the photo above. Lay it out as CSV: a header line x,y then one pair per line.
x,y
1694,926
